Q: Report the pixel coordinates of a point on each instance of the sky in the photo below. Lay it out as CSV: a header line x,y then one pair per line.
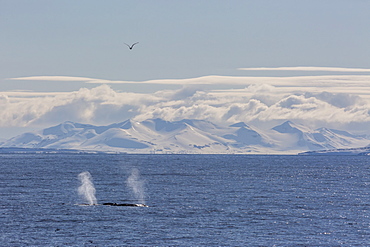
x,y
261,62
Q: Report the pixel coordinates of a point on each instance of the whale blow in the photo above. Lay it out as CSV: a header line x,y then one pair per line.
x,y
87,189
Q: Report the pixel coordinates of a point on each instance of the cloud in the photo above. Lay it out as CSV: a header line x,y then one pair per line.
x,y
237,112
340,100
65,78
52,78
265,93
245,105
328,69
350,82
318,101
187,91
191,81
100,105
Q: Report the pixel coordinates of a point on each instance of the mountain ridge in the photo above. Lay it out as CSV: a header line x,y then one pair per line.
x,y
186,136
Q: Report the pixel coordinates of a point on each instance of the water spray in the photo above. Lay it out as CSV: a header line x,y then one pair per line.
x,y
136,185
87,189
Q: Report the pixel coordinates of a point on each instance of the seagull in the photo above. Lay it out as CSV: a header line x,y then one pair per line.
x,y
131,46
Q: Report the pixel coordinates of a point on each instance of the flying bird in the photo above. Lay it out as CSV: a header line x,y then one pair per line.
x,y
131,46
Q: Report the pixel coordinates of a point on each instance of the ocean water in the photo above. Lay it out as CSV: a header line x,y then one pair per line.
x,y
194,200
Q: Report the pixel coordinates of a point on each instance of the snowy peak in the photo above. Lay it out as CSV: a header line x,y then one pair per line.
x,y
123,125
115,138
240,124
63,129
245,135
318,139
342,133
291,128
186,136
28,140
126,125
200,124
161,125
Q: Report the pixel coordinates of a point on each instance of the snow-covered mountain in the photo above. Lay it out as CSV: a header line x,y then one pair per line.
x,y
185,136
301,137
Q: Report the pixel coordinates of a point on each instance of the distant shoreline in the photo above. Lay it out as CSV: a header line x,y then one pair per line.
x,y
335,152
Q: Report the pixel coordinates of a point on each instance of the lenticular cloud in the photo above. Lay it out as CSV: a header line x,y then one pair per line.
x,y
328,69
325,102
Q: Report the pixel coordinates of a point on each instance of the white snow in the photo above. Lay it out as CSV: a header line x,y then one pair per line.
x,y
187,136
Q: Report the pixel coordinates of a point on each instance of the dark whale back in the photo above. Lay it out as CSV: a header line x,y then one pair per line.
x,y
125,204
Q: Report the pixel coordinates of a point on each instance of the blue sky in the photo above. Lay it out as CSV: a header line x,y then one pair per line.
x,y
177,40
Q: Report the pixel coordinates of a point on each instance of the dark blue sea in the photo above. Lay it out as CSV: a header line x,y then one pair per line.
x,y
194,200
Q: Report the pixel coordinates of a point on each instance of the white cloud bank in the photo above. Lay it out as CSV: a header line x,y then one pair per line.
x,y
330,81
328,69
318,101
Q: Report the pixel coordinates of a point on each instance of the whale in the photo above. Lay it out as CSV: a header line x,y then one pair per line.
x,y
125,204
